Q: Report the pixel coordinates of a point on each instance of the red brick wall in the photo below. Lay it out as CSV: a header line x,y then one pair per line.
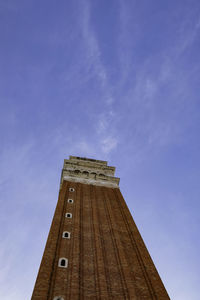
x,y
107,258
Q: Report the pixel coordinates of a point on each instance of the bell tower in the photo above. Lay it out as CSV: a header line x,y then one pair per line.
x,y
94,249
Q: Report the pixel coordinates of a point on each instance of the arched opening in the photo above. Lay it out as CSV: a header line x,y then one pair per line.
x,y
93,173
63,262
66,235
85,173
101,175
77,171
68,215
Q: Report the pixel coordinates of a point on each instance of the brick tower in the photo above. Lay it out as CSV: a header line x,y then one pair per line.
x,y
94,249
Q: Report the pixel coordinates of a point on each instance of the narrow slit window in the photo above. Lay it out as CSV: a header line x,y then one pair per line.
x,y
68,215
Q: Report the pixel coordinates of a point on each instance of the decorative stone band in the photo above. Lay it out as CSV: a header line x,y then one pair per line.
x,y
99,182
89,178
91,167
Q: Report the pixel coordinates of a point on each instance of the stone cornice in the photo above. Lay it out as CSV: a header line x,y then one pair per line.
x,y
89,171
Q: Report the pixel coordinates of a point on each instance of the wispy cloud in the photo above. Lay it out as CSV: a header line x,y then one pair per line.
x,y
109,144
93,51
188,33
160,88
104,127
125,40
65,97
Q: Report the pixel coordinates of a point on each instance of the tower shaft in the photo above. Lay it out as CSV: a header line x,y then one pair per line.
x,y
94,249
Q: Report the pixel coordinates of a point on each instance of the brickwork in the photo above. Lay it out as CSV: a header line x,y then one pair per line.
x,y
107,258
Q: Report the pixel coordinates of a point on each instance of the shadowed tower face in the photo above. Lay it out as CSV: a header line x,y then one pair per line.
x,y
94,249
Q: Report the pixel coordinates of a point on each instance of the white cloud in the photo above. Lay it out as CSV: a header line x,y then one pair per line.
x,y
109,144
188,34
93,54
93,50
106,132
102,124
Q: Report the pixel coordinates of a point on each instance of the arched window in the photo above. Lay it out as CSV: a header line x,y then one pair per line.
x,y
77,171
102,175
85,173
70,200
63,262
71,189
58,298
68,215
66,235
93,173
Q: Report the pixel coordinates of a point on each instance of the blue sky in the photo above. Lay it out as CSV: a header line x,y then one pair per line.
x,y
115,80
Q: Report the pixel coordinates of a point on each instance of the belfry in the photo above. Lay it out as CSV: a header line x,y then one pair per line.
x,y
94,249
